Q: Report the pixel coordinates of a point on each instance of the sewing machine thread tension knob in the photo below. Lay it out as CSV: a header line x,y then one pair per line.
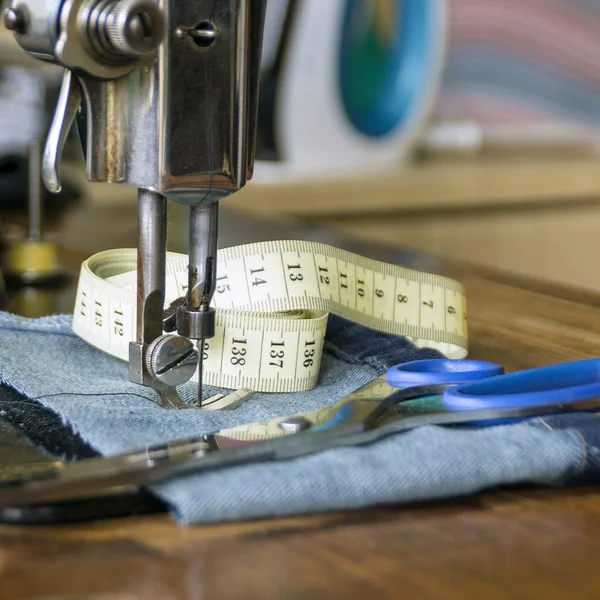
x,y
135,27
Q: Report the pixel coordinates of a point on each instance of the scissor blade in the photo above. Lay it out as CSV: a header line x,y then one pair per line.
x,y
394,423
228,447
354,407
390,423
87,478
100,476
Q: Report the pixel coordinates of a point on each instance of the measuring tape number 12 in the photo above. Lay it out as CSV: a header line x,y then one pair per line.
x,y
272,302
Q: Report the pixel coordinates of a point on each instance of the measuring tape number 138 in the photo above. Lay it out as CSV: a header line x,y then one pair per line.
x,y
272,302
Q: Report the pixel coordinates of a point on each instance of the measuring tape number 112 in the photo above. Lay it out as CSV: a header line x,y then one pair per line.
x,y
272,302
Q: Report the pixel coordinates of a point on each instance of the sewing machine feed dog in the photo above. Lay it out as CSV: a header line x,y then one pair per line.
x,y
165,95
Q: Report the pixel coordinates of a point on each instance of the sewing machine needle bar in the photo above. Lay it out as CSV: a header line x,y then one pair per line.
x,y
200,369
151,267
202,272
152,246
204,224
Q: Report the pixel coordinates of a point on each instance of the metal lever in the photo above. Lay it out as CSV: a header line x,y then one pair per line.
x,y
69,102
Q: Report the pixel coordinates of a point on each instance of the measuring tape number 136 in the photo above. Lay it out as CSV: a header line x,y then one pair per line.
x,y
272,302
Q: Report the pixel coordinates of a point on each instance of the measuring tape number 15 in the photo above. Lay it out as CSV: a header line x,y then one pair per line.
x,y
272,301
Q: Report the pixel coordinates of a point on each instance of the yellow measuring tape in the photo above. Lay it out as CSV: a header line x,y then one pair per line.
x,y
272,303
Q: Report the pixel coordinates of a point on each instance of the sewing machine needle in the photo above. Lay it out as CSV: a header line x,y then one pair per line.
x,y
196,318
200,369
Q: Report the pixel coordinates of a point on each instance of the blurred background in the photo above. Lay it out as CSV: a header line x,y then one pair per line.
x,y
466,128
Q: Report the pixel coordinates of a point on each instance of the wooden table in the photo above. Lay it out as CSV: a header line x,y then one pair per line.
x,y
520,543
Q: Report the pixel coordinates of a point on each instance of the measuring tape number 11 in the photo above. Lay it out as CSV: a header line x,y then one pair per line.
x,y
272,301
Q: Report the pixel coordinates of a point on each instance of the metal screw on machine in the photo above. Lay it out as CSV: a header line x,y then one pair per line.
x,y
204,34
172,359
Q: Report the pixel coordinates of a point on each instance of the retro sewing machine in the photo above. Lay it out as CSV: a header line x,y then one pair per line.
x,y
165,96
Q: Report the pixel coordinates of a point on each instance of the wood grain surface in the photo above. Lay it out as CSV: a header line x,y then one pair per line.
x,y
517,543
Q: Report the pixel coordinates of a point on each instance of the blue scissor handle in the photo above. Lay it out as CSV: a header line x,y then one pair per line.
x,y
556,384
427,372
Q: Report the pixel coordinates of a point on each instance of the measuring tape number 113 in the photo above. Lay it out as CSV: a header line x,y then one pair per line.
x,y
272,302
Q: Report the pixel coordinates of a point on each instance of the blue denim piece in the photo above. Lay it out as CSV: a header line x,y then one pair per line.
x,y
44,361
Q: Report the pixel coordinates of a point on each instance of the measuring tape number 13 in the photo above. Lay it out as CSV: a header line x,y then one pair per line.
x,y
272,302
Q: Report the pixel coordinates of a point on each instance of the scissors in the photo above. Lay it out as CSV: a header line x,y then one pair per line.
x,y
430,392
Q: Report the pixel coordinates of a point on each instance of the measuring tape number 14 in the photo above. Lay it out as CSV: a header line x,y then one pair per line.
x,y
272,301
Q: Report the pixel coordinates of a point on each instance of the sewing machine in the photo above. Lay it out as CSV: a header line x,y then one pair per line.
x,y
165,96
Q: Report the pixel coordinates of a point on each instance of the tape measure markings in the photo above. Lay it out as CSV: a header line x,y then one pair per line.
x,y
272,301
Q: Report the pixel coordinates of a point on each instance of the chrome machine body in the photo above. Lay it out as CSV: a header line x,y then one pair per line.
x,y
165,93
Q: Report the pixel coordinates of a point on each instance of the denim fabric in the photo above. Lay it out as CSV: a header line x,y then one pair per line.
x,y
44,361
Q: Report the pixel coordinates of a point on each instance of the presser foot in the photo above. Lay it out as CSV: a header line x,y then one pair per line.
x,y
170,361
167,362
169,398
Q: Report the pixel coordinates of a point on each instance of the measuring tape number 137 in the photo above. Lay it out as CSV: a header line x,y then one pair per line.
x,y
272,301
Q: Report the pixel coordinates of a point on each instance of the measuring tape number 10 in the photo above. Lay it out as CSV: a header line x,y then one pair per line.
x,y
272,301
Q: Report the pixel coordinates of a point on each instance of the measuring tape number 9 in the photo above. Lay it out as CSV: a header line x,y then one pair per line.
x,y
272,302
